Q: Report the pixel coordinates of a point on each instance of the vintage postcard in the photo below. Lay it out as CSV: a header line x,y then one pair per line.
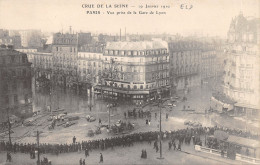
x,y
129,82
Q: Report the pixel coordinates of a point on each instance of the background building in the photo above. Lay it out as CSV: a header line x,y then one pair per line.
x,y
241,80
185,64
65,56
31,38
7,39
135,70
15,84
89,67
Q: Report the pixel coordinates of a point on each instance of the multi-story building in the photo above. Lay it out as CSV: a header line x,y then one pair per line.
x,y
65,56
15,41
208,61
15,84
89,67
31,38
241,66
65,53
7,39
185,64
135,70
41,61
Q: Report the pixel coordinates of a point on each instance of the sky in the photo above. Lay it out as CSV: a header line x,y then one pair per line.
x,y
207,17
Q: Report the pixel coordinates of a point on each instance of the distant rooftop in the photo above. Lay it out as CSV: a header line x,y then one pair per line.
x,y
6,52
140,45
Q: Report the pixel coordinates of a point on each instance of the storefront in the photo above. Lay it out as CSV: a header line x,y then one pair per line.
x,y
222,104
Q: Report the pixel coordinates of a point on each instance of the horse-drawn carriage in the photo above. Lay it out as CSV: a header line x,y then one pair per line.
x,y
139,112
121,127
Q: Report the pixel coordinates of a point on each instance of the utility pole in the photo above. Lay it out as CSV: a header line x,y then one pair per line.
x,y
38,146
112,63
159,105
9,128
108,106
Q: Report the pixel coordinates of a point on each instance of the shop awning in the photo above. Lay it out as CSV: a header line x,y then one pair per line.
x,y
223,100
247,106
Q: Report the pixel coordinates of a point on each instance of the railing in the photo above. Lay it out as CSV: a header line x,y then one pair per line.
x,y
239,157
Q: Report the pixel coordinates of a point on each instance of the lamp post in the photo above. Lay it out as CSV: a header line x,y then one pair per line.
x,y
112,77
9,128
159,105
108,106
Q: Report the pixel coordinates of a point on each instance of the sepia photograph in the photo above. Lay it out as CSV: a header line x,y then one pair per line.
x,y
120,82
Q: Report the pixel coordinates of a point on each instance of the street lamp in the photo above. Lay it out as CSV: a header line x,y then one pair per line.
x,y
108,106
159,105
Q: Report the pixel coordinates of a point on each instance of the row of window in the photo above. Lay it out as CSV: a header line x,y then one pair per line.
x,y
60,49
117,85
14,73
13,59
90,56
135,53
14,86
7,99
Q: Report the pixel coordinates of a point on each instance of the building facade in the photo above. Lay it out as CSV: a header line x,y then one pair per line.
x,y
65,53
41,61
135,70
242,70
65,49
185,64
15,84
208,61
31,38
7,39
89,67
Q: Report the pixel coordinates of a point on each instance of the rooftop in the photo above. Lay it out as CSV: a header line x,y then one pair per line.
x,y
6,52
140,45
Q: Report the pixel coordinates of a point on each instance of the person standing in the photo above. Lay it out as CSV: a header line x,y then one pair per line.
x,y
86,152
170,145
145,154
179,146
174,145
83,163
155,144
80,161
101,158
74,140
157,148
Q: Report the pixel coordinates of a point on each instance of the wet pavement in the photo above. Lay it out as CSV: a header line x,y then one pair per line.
x,y
78,105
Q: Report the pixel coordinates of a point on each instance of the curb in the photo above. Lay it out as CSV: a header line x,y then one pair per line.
x,y
207,157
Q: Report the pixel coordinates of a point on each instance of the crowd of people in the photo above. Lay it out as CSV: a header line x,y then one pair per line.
x,y
176,139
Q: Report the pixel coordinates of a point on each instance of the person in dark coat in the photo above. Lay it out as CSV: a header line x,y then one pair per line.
x,y
101,158
155,144
145,154
179,146
86,152
170,145
74,139
157,148
80,161
83,163
174,145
